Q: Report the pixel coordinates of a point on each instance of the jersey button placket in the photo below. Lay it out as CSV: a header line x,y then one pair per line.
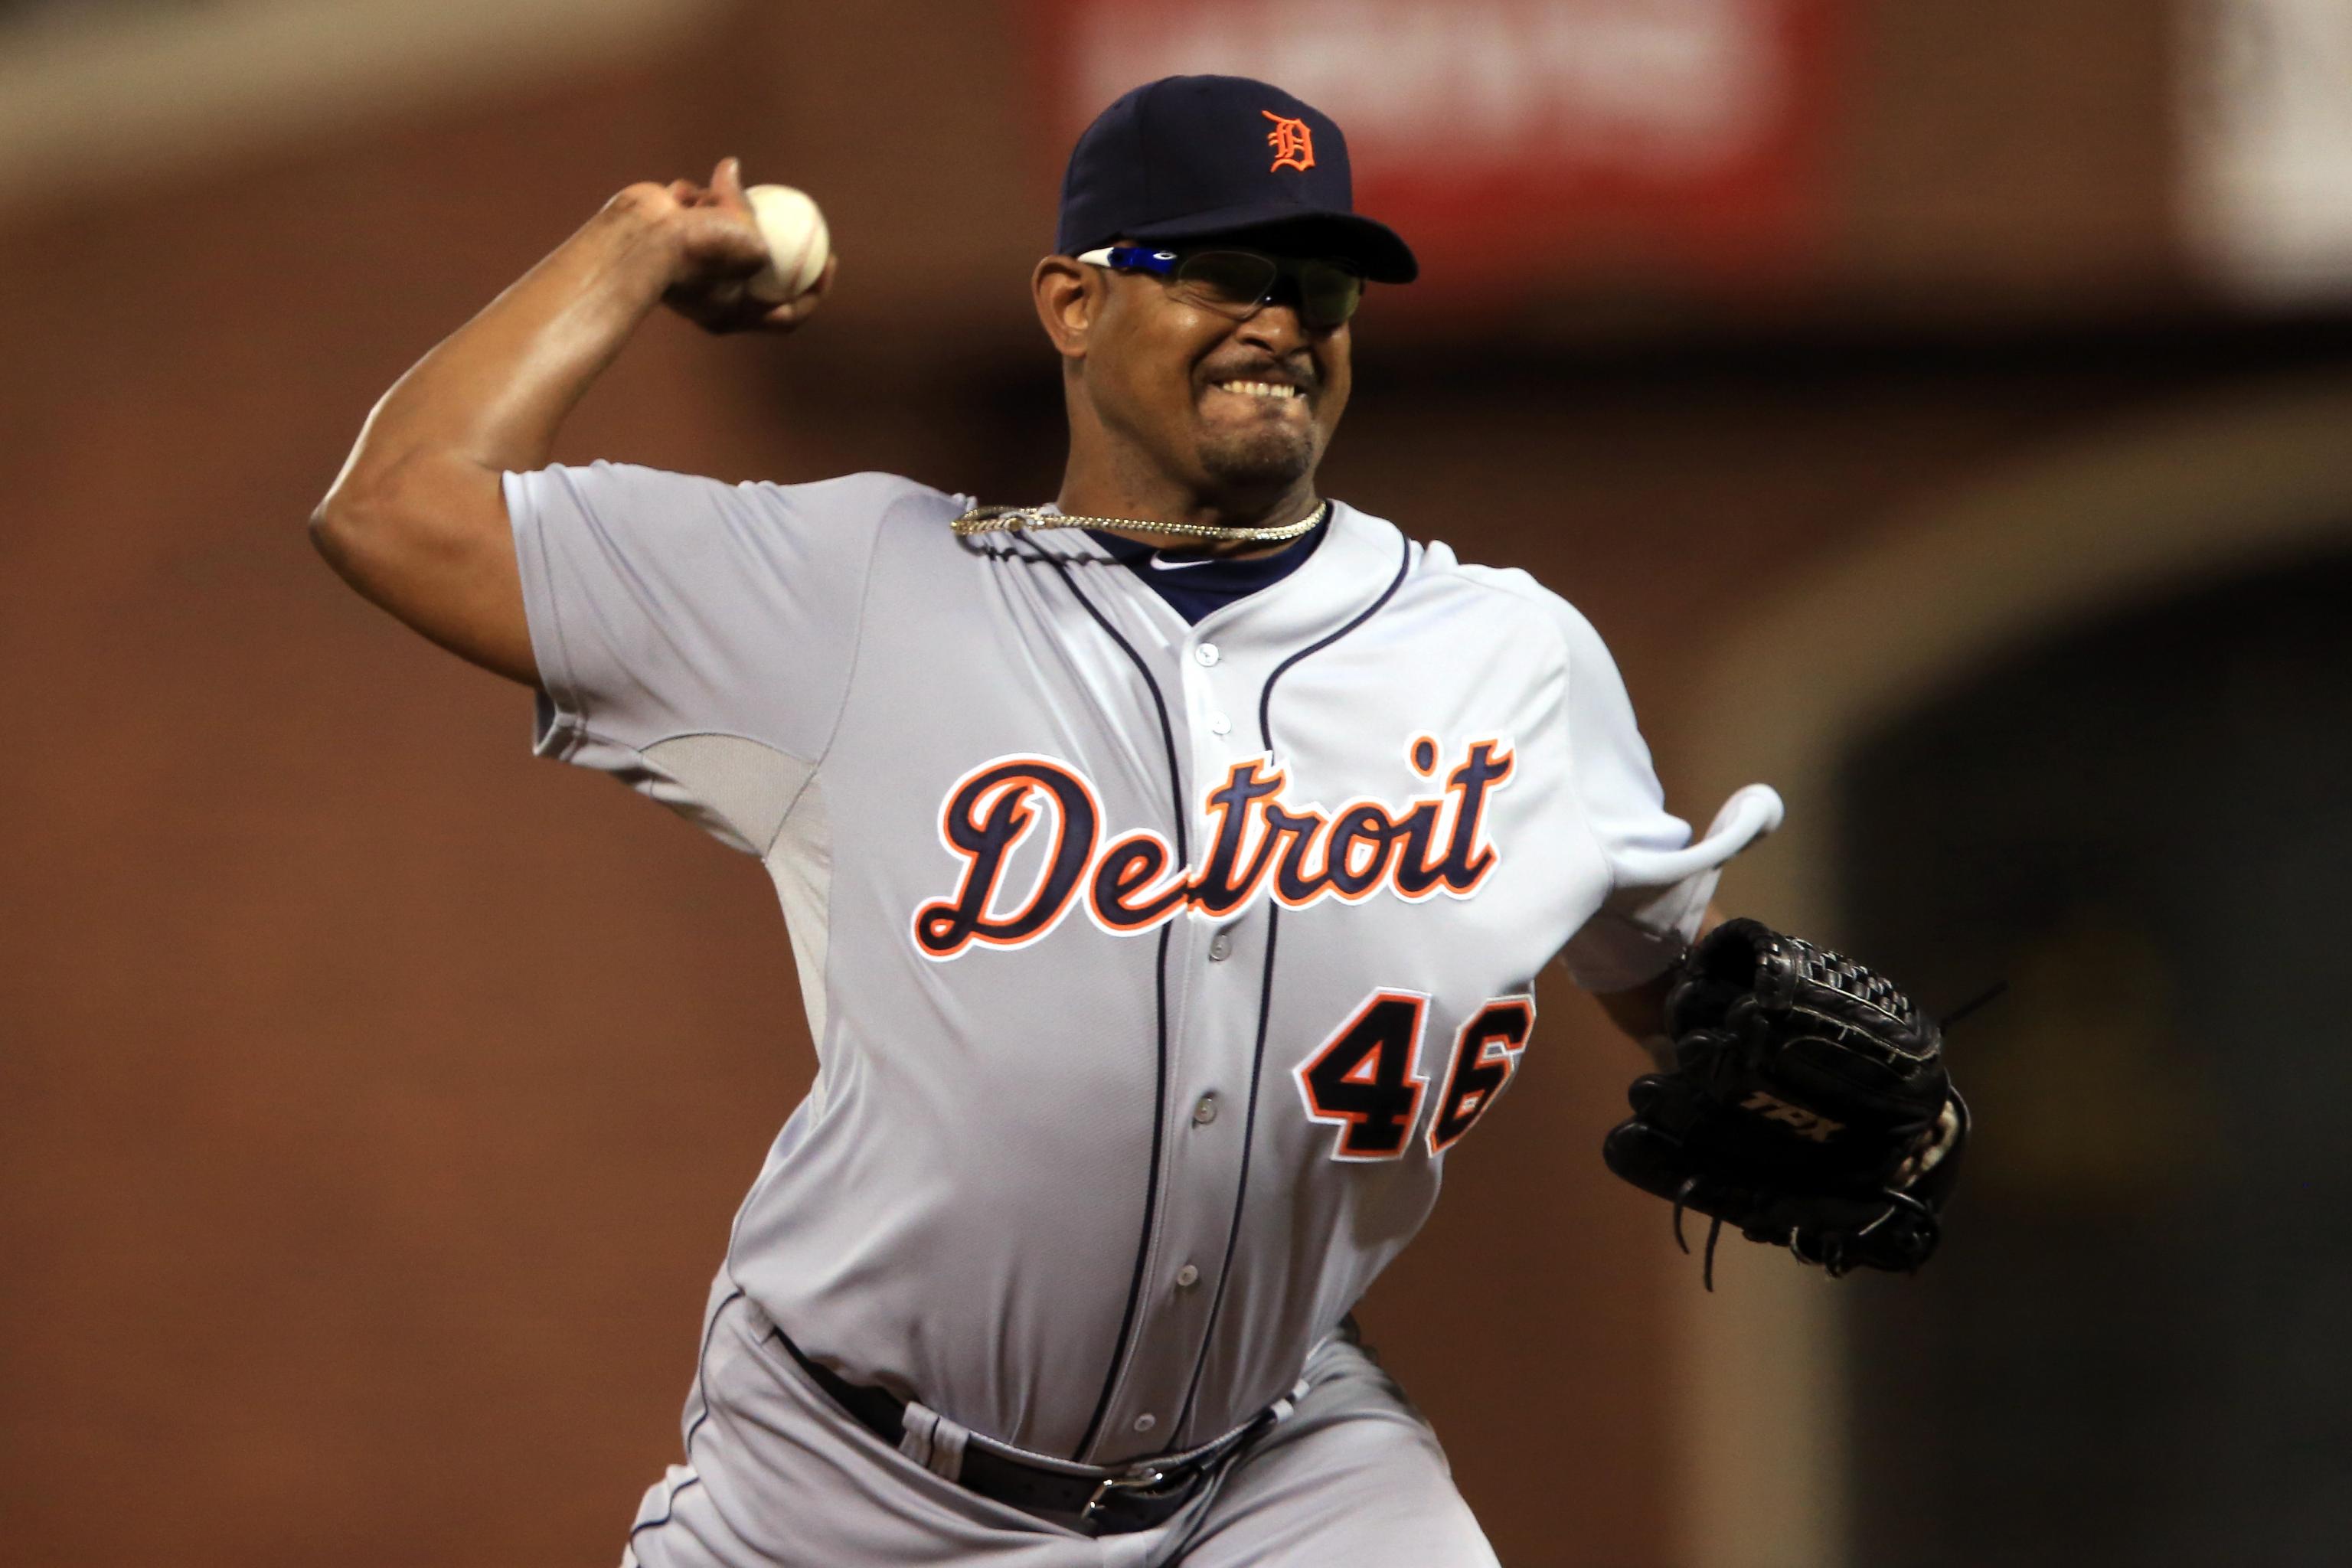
x,y
1212,717
1221,1011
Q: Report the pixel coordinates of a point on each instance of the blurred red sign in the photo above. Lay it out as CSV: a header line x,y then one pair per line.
x,y
1520,143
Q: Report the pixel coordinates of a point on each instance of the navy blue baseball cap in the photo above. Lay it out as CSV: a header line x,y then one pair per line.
x,y
1188,156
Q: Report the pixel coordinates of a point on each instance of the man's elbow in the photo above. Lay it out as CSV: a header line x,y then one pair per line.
x,y
372,519
330,528
337,524
366,539
430,543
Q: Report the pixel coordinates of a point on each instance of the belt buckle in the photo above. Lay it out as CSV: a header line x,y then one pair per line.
x,y
1142,1478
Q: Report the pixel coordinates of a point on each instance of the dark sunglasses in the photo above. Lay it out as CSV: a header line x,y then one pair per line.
x,y
1241,283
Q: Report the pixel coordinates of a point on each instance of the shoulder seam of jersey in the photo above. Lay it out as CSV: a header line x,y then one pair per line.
x,y
857,636
1536,596
1566,711
1531,593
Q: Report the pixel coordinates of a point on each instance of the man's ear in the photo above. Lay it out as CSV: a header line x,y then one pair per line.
x,y
1070,296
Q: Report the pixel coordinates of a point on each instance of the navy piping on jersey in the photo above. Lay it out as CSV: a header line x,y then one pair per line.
x,y
1159,1078
1199,583
686,1484
702,1389
702,1392
1265,991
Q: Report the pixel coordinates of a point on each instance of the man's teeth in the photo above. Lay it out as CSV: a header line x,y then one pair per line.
x,y
1258,388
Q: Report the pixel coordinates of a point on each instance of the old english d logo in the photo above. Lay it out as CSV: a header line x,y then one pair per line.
x,y
1293,143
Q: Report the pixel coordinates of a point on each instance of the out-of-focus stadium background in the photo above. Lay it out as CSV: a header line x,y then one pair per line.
x,y
1944,411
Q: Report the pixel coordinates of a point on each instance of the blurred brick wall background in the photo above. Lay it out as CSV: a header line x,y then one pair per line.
x,y
374,1099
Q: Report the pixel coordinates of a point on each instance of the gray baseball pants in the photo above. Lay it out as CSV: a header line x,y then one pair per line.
x,y
780,1477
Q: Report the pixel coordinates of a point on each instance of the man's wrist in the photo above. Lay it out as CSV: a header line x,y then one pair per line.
x,y
636,241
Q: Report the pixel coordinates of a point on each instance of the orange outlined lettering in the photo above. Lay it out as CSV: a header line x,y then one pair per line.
x,y
1363,1079
984,817
1293,143
1433,843
1486,1055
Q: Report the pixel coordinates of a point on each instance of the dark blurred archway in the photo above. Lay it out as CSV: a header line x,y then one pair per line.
x,y
2132,1351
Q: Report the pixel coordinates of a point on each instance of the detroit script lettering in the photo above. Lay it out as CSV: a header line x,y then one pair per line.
x,y
1253,843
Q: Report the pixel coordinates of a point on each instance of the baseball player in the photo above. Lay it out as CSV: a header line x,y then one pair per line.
x,y
1169,867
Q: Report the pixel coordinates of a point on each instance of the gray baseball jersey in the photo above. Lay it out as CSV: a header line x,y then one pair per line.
x,y
1155,968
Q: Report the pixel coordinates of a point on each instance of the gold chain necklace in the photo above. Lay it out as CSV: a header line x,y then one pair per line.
x,y
1005,519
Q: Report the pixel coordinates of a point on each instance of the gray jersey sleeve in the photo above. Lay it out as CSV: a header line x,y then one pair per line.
x,y
695,638
1660,879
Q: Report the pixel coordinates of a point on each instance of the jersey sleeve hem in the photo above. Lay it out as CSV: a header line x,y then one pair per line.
x,y
1627,944
1655,895
576,709
1614,953
558,719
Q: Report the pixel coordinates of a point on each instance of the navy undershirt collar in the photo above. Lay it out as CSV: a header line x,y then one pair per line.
x,y
1194,583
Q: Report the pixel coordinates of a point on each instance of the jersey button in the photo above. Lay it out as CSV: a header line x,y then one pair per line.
x,y
1205,1111
1205,655
1220,947
1187,1276
1220,725
1146,1423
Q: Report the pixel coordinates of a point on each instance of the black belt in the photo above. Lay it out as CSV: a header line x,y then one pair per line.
x,y
1138,1498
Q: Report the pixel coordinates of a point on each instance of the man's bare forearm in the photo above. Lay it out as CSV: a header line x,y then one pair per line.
x,y
417,521
1641,1012
494,393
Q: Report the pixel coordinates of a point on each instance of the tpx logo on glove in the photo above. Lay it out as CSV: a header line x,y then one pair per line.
x,y
1804,1123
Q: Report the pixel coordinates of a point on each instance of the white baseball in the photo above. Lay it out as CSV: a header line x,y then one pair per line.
x,y
798,243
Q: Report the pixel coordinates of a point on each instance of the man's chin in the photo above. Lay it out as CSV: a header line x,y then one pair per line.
x,y
1259,460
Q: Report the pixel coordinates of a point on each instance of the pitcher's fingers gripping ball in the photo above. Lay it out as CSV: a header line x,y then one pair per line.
x,y
759,259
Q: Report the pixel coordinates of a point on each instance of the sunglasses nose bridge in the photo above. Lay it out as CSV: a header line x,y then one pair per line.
x,y
1289,288
1281,289
1240,284
1234,281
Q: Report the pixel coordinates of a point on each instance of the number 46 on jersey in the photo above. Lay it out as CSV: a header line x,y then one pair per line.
x,y
1363,1079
